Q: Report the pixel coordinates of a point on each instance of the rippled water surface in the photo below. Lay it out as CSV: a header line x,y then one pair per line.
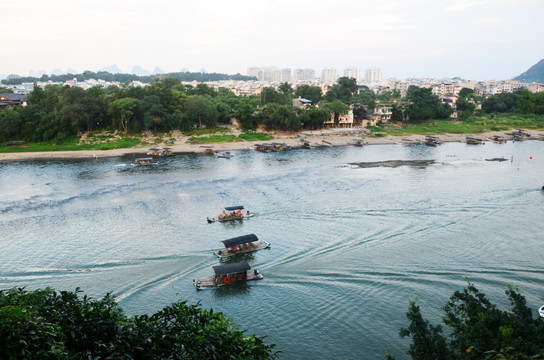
x,y
348,244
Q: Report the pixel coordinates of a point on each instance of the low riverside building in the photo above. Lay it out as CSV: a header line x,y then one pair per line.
x,y
10,100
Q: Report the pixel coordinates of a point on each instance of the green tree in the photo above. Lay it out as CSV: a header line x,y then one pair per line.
x,y
200,110
396,113
343,90
525,103
154,112
309,92
123,112
424,105
11,125
270,95
478,329
245,115
314,118
281,117
45,324
338,108
500,103
286,89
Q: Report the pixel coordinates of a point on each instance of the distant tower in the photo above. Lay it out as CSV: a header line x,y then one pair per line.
x,y
253,71
329,75
352,73
303,74
373,75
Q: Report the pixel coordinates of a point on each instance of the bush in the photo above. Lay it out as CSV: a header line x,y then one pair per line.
x,y
45,324
478,329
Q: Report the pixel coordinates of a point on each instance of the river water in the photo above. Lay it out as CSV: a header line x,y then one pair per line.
x,y
348,245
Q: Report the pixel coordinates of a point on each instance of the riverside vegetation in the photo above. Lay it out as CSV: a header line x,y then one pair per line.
x,y
46,324
58,116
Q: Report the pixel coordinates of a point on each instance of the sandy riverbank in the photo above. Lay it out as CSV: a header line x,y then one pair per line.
x,y
331,137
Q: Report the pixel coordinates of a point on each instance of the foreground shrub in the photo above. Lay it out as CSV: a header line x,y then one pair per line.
x,y
45,324
478,329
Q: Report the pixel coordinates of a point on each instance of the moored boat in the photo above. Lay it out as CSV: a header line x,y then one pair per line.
x,y
241,244
231,213
223,154
357,142
228,274
144,162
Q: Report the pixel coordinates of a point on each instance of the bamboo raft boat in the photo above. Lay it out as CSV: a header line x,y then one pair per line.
x,y
241,245
228,274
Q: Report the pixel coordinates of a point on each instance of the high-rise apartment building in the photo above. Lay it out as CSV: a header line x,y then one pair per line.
x,y
352,73
285,75
329,75
373,75
303,74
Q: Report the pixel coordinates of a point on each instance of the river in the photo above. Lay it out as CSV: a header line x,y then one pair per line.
x,y
348,245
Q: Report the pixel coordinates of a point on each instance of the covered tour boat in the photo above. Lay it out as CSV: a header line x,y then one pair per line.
x,y
241,244
144,162
227,274
231,213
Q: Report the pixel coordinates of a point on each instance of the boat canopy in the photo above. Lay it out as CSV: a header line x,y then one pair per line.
x,y
144,159
240,240
232,208
231,268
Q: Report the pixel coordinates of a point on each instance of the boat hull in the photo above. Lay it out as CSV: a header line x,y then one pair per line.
x,y
236,278
244,249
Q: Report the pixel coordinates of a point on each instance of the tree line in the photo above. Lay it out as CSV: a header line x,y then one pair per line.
x,y
123,77
58,113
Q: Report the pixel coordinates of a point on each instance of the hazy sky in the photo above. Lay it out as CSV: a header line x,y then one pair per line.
x,y
474,39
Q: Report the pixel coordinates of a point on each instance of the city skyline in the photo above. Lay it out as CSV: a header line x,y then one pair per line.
x,y
477,40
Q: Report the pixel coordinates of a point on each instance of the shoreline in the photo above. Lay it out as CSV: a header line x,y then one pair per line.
x,y
334,137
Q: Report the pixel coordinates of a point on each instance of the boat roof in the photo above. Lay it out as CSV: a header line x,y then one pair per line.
x,y
144,159
240,240
231,268
231,208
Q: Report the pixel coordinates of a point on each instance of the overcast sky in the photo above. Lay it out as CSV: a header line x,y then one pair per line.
x,y
472,39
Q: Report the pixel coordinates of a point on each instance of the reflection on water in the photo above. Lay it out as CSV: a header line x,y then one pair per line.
x,y
348,244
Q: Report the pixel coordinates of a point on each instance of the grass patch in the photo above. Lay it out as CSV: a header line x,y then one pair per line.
x,y
72,145
473,125
213,139
255,136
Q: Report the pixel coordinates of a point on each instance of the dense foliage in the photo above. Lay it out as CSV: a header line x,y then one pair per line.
x,y
478,329
122,77
58,114
45,324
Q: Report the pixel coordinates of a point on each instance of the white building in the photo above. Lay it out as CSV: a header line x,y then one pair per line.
x,y
352,73
373,75
329,75
303,74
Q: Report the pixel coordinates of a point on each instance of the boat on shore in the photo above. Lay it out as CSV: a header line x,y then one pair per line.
x,y
241,245
231,213
223,154
357,142
167,151
271,147
431,141
144,162
474,141
228,274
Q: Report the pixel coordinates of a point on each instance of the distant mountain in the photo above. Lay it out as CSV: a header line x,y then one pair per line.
x,y
157,71
112,69
140,71
534,74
